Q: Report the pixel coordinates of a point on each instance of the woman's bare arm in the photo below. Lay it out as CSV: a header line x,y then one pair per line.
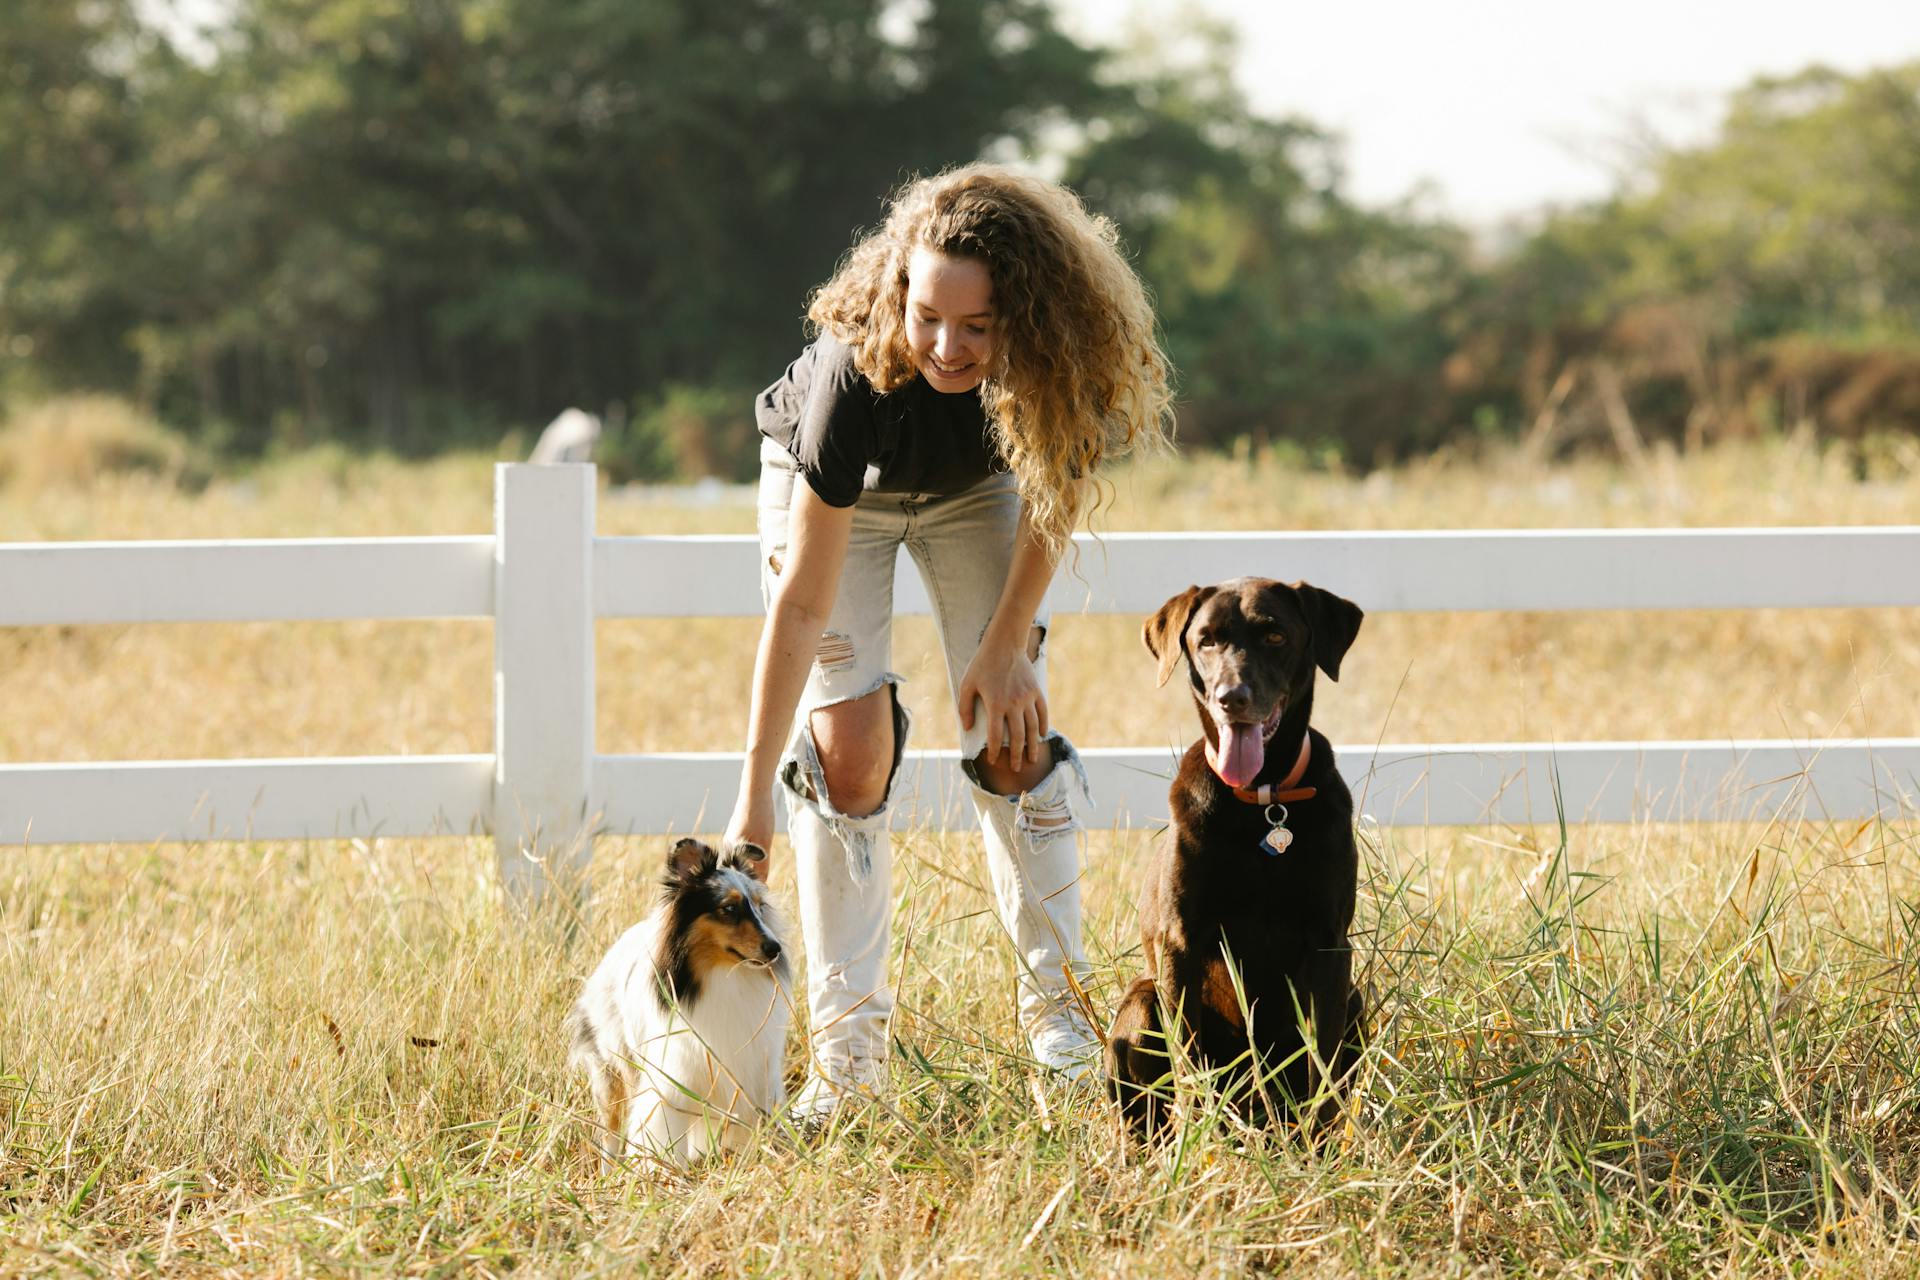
x,y
801,603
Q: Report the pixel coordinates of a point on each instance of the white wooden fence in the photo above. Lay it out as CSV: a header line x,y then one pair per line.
x,y
543,578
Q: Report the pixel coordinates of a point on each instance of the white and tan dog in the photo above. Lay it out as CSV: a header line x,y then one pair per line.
x,y
681,1028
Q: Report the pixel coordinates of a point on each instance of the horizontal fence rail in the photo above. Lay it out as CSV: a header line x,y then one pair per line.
x,y
251,580
1438,784
1482,570
294,799
1394,785
543,578
322,579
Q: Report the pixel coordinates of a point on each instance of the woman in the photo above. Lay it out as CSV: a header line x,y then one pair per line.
x,y
977,359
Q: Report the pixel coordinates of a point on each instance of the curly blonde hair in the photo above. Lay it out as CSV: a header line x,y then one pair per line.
x,y
1076,374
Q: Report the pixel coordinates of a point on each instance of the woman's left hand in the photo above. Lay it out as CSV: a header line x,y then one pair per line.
x,y
1001,686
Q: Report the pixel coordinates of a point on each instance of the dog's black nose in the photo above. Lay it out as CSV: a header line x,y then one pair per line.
x,y
770,950
1235,700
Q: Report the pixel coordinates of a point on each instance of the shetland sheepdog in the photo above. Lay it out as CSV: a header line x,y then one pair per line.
x,y
681,1028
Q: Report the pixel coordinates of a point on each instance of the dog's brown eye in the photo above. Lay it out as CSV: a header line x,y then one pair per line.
x,y
1276,637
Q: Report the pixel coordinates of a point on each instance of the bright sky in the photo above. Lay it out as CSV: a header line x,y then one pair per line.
x,y
1504,105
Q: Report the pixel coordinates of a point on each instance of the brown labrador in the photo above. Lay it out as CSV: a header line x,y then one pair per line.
x,y
1250,894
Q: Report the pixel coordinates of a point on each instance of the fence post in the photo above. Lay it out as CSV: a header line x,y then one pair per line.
x,y
542,674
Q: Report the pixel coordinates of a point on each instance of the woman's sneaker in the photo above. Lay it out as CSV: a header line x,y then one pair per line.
x,y
1064,1044
833,1085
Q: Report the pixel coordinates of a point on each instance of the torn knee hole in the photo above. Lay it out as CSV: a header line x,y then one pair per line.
x,y
775,563
841,798
856,795
846,786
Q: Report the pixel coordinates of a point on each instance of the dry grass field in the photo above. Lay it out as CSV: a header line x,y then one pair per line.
x,y
1654,1050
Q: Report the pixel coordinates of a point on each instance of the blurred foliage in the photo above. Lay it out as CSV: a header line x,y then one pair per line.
x,y
686,431
417,224
72,442
1768,278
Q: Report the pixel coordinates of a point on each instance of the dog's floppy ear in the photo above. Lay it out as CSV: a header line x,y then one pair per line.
x,y
1335,621
689,859
1165,632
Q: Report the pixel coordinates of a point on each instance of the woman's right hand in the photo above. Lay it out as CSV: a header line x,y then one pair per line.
x,y
752,823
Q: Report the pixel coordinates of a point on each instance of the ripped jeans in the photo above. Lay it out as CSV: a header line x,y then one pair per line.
x,y
963,546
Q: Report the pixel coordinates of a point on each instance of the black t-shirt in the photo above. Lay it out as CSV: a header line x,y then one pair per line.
x,y
846,437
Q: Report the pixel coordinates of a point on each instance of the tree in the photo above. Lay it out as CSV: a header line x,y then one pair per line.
x,y
71,202
1289,311
1772,271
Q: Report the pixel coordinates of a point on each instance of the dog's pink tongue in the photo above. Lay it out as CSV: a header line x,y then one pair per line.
x,y
1237,756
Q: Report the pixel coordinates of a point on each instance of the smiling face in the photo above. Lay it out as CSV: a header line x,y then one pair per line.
x,y
949,319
